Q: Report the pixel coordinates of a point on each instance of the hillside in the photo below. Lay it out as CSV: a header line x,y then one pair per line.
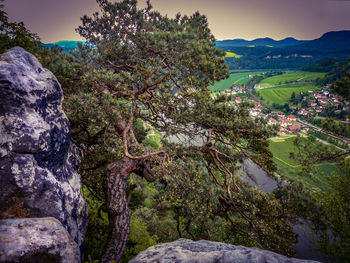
x,y
330,41
287,53
66,45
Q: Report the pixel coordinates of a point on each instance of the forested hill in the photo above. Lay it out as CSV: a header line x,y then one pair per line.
x,y
66,45
287,53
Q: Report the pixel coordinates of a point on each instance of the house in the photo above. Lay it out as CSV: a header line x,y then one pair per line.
x,y
318,109
284,123
303,112
255,112
238,100
318,95
294,128
292,117
272,121
281,115
257,104
323,100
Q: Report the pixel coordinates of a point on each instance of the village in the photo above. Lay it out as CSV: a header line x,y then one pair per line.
x,y
313,104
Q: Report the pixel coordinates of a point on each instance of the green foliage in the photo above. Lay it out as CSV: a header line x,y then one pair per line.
x,y
151,73
139,239
342,86
322,65
97,231
327,208
335,203
336,127
16,34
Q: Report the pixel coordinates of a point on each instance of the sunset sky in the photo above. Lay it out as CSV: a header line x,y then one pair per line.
x,y
55,20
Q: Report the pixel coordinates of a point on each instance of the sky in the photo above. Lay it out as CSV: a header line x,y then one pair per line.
x,y
55,20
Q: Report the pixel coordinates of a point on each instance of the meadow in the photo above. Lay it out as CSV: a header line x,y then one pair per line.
x,y
282,94
288,168
300,76
241,78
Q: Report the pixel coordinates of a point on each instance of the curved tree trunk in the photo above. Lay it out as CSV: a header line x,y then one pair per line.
x,y
117,208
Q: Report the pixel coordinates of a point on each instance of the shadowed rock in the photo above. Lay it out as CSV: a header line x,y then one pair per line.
x,y
38,163
188,251
38,240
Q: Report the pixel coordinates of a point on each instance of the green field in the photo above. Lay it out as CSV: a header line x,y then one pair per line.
x,y
300,76
232,54
281,95
291,170
241,78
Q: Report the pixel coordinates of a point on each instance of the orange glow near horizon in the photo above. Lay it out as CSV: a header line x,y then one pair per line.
x,y
228,19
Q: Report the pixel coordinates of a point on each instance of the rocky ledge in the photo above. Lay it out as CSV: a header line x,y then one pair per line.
x,y
188,251
37,240
38,162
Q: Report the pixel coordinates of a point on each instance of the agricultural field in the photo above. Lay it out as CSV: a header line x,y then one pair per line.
x,y
289,169
241,78
232,55
300,76
281,95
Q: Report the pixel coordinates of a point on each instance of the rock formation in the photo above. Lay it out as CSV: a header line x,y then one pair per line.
x,y
188,251
37,240
38,163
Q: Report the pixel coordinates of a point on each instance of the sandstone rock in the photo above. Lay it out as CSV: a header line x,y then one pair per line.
x,y
38,240
188,251
38,163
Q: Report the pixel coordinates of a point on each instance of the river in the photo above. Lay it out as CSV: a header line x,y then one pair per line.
x,y
305,248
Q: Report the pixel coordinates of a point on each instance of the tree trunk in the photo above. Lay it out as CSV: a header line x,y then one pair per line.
x,y
117,208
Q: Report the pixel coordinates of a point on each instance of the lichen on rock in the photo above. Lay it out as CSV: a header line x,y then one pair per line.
x,y
39,240
203,251
38,162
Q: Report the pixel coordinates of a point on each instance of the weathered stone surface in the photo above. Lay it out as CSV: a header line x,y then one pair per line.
x,y
38,163
38,240
188,251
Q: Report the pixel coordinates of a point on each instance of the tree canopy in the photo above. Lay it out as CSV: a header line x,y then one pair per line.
x,y
140,69
145,67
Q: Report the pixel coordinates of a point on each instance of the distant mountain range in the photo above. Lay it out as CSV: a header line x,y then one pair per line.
x,y
267,53
330,41
65,44
265,42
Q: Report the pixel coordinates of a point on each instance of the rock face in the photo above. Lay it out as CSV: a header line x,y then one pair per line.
x,y
188,251
38,163
38,240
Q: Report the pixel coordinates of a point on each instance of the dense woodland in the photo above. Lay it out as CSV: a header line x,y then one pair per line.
x,y
142,78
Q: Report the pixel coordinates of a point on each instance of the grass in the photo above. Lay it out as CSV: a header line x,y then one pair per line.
x,y
231,54
241,78
290,169
282,94
300,76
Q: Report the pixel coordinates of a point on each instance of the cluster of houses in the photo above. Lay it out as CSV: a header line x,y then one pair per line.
x,y
286,124
321,100
235,90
